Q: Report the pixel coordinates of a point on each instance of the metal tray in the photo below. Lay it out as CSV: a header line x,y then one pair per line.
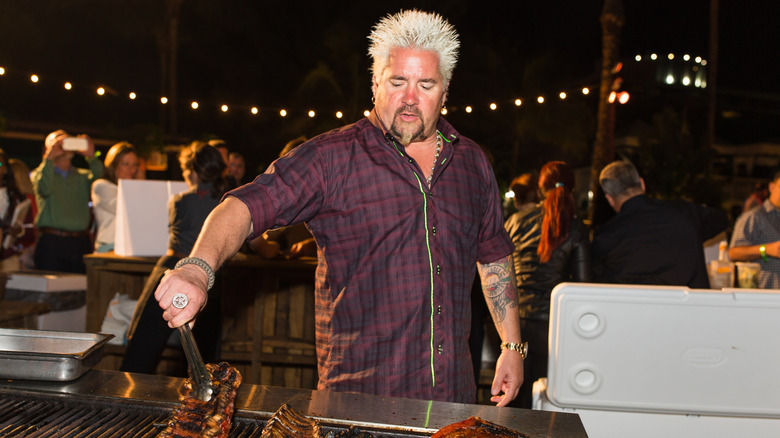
x,y
49,355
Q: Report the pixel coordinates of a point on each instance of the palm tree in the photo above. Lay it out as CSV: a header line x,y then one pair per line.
x,y
612,20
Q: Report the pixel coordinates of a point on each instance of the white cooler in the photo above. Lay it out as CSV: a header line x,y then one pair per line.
x,y
649,361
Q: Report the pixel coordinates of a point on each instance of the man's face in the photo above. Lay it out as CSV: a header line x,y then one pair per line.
x,y
774,192
409,94
237,167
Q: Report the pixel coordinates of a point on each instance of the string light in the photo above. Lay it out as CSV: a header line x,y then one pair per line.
x,y
366,113
494,106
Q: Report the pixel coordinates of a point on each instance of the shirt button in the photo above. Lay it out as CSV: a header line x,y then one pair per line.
x,y
410,160
434,230
438,310
438,269
440,349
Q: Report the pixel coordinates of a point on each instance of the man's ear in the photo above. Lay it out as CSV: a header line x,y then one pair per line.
x,y
611,201
642,182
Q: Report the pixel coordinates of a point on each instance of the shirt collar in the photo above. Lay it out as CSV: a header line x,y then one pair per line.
x,y
770,208
62,173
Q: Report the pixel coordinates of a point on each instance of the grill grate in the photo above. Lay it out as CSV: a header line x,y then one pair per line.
x,y
36,416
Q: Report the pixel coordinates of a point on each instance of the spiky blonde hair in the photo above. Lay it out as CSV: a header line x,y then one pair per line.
x,y
413,29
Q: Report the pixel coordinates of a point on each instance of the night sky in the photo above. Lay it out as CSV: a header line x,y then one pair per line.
x,y
305,54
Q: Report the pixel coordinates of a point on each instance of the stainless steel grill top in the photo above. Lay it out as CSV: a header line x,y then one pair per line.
x,y
108,404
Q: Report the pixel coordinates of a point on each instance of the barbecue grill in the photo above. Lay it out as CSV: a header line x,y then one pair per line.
x,y
114,404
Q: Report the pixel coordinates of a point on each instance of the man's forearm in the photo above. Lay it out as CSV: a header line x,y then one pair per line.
x,y
745,252
498,286
223,233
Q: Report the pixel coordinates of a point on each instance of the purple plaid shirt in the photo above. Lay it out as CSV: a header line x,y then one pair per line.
x,y
396,260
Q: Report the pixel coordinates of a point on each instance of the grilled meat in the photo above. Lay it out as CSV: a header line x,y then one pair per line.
x,y
287,422
211,419
475,427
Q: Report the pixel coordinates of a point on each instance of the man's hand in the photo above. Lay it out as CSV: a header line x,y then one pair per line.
x,y
54,149
90,151
189,280
508,378
304,248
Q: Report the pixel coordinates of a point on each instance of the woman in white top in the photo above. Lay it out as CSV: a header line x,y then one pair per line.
x,y
121,163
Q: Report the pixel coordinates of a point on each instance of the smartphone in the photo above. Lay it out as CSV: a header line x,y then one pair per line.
x,y
74,144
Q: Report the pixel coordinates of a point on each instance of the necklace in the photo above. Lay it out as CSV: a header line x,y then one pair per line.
x,y
435,158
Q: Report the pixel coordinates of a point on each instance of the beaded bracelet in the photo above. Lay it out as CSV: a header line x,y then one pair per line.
x,y
202,264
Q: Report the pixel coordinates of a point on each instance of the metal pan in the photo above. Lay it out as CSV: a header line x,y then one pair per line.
x,y
49,355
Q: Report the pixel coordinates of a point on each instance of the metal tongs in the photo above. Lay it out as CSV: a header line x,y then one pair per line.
x,y
199,375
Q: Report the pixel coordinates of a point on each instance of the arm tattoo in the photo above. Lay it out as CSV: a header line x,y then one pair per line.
x,y
498,285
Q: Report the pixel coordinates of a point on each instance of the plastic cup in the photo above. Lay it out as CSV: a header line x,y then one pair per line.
x,y
747,274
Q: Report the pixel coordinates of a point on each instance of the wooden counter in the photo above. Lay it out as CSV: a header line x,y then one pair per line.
x,y
21,314
267,300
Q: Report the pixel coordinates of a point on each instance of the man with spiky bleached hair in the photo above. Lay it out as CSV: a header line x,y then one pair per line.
x,y
404,210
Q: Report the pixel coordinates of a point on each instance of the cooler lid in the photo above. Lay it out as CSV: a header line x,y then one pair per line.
x,y
665,349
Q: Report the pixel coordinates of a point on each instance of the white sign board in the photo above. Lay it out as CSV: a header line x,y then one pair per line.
x,y
142,216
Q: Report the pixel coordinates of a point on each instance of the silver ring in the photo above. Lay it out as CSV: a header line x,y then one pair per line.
x,y
180,301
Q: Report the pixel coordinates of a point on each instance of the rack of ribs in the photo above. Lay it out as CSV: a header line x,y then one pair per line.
x,y
211,419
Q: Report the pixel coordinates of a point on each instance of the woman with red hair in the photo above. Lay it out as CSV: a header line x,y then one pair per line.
x,y
551,247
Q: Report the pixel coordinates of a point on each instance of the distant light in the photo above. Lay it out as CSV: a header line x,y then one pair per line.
x,y
697,83
468,109
687,57
493,106
585,90
254,110
670,79
194,105
686,81
101,91
638,57
34,78
224,108
366,113
518,102
163,100
312,113
623,97
670,56
540,99
612,97
562,95
68,86
444,111
132,95
590,194
703,62
283,113
2,71
339,114
509,195
698,59
653,56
